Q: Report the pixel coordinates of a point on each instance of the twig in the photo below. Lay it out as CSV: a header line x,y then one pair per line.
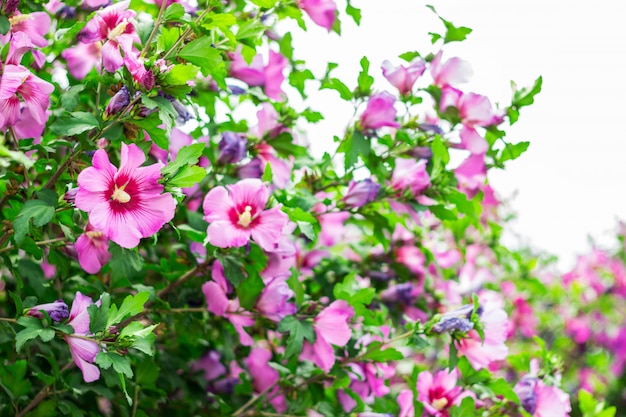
x,y
43,394
157,23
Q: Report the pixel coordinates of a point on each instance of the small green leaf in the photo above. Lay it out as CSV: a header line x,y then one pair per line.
x,y
5,25
354,145
71,124
201,52
180,74
249,289
264,4
298,331
337,85
173,11
525,97
354,13
71,97
511,152
188,155
365,80
132,305
40,211
233,269
33,329
188,176
98,316
377,355
124,263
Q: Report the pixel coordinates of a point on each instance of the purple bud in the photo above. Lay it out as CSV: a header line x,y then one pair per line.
x,y
10,7
118,102
148,80
525,390
233,148
57,311
70,196
421,152
66,12
457,320
253,169
360,193
183,114
236,90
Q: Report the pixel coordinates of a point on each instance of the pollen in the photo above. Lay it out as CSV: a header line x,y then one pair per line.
x,y
245,218
440,404
94,234
15,20
120,195
118,30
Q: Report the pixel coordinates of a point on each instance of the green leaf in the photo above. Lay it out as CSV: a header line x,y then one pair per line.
x,y
173,11
365,80
5,25
298,331
453,33
124,263
16,156
409,56
286,48
188,176
71,97
180,74
152,125
249,289
233,269
75,123
264,4
40,211
377,355
337,85
131,306
188,155
13,379
33,329
525,97
501,387
465,409
442,213
354,145
511,152
463,205
298,80
354,13
250,31
120,364
200,52
98,316
453,357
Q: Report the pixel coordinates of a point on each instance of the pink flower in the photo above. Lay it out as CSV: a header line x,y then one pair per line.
x,y
273,301
403,77
112,25
471,174
82,58
93,250
237,214
83,351
34,25
439,393
17,81
127,204
481,353
270,76
541,400
405,401
379,112
322,12
453,71
216,294
360,193
264,376
410,174
331,327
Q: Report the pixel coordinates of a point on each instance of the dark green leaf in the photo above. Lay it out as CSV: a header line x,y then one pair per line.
x,y
233,269
152,125
524,96
201,52
249,289
354,145
98,316
75,123
124,262
298,331
131,306
71,97
5,25
40,211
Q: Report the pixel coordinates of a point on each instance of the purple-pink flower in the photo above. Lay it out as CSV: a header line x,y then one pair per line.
x,y
439,393
264,377
403,77
269,76
541,400
453,71
410,174
93,249
379,112
128,203
237,214
322,12
83,351
331,327
57,310
360,193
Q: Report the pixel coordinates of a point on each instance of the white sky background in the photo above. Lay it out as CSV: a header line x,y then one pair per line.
x,y
570,183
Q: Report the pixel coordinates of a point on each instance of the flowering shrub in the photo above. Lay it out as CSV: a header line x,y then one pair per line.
x,y
214,267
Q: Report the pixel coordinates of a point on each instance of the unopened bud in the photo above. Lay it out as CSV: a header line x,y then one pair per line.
x,y
118,102
233,148
360,193
57,311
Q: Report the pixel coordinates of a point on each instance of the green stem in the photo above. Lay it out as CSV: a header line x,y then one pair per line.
x,y
8,320
40,243
186,33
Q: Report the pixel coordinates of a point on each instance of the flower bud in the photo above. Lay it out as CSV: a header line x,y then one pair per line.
x,y
233,148
70,195
118,102
57,311
360,193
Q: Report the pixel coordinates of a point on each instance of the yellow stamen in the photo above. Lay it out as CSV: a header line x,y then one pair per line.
x,y
94,234
118,30
15,20
245,218
440,404
120,195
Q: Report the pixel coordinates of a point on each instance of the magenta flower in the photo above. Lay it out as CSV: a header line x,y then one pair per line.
x,y
403,77
128,203
216,294
83,351
34,25
237,214
360,193
410,174
379,112
269,76
264,377
82,58
480,353
541,400
322,12
331,327
112,26
93,250
439,393
17,81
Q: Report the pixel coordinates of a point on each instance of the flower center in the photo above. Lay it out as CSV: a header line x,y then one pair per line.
x,y
120,195
245,218
440,403
94,234
118,30
16,20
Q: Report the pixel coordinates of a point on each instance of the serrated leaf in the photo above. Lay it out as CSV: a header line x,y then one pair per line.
x,y
354,13
98,316
233,269
298,331
354,145
188,176
124,263
180,74
174,11
33,329
74,123
152,125
511,152
132,305
71,97
377,355
201,52
39,211
188,155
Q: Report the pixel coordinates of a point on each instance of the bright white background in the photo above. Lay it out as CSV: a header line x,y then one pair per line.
x,y
569,185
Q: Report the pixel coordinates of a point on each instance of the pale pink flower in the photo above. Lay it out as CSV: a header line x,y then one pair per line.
x,y
403,77
410,174
216,294
264,377
112,26
269,76
273,302
331,327
453,71
439,393
17,81
405,401
322,12
83,351
237,214
379,112
128,203
360,193
480,353
93,250
82,58
541,400
471,174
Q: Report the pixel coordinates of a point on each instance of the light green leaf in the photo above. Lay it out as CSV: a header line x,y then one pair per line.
x,y
188,176
71,124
